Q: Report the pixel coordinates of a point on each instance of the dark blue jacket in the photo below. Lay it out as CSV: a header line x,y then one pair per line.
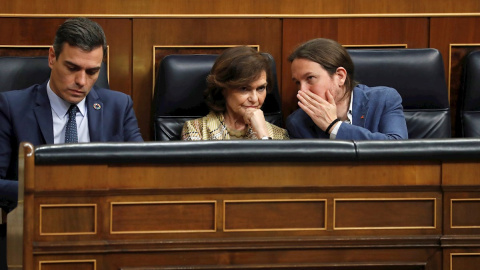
x,y
377,114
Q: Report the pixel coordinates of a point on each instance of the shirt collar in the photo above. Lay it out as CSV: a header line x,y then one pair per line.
x,y
349,113
60,106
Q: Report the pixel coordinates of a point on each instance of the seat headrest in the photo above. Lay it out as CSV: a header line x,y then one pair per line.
x,y
18,72
468,107
418,76
471,82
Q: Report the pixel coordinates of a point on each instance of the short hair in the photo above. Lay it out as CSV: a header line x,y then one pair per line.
x,y
80,32
235,67
330,55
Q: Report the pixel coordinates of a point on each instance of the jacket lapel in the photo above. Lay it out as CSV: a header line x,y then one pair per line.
x,y
360,104
95,116
43,114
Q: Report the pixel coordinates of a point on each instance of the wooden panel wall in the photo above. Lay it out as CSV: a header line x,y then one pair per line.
x,y
237,7
454,37
132,39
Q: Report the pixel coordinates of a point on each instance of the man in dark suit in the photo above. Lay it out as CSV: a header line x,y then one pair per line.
x,y
39,114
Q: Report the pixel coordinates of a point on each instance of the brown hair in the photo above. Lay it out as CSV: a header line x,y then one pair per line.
x,y
330,55
80,32
234,68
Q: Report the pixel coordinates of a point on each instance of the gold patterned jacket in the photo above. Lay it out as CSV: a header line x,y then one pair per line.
x,y
212,127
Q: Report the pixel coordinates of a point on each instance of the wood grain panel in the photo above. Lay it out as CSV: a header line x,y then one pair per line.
x,y
72,178
357,214
465,213
158,217
19,50
119,40
271,175
460,174
443,33
283,258
353,31
68,264
68,219
275,215
310,266
464,261
177,32
161,7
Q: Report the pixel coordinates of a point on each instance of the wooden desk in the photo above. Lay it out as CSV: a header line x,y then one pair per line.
x,y
250,215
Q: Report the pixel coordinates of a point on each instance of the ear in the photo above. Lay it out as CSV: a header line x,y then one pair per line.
x,y
341,74
51,57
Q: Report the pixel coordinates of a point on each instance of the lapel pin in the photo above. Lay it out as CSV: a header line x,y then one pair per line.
x,y
361,117
97,106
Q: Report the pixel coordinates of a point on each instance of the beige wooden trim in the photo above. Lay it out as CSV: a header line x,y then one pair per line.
x,y
243,16
67,261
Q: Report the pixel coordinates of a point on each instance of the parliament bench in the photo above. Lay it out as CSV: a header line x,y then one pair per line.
x,y
295,204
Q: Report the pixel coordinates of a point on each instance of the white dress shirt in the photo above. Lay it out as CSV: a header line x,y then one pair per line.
x,y
60,117
334,132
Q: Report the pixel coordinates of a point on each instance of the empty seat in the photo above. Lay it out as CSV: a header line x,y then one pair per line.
x,y
468,113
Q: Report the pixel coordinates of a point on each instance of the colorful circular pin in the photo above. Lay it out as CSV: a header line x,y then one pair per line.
x,y
97,106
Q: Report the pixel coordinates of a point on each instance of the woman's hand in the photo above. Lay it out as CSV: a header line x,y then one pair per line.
x,y
322,111
256,119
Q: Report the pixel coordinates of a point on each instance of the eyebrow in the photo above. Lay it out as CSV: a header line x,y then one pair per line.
x,y
77,66
303,76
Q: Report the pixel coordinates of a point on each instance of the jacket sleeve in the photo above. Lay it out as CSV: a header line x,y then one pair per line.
x,y
130,124
387,123
6,134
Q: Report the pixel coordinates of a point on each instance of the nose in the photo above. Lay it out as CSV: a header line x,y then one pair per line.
x,y
253,96
303,86
80,78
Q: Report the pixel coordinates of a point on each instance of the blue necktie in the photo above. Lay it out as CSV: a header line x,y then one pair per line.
x,y
71,129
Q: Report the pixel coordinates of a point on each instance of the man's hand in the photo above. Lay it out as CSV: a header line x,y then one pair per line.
x,y
322,111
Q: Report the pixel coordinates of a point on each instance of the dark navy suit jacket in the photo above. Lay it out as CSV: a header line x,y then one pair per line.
x,y
377,114
26,116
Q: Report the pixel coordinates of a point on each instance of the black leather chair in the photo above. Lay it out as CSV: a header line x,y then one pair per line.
x,y
21,72
418,75
179,88
468,106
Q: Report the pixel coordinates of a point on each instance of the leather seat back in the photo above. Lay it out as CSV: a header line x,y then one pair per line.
x,y
468,113
418,76
17,72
